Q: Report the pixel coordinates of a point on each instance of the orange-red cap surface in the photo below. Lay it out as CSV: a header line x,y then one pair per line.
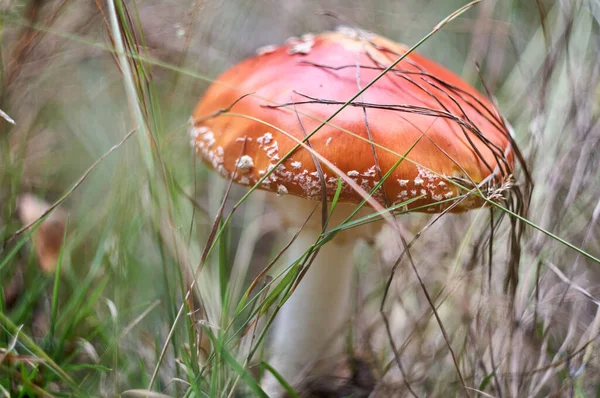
x,y
459,135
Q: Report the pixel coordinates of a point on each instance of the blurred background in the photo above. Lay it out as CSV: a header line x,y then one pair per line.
x,y
105,311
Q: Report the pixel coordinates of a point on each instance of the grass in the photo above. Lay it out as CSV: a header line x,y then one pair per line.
x,y
156,293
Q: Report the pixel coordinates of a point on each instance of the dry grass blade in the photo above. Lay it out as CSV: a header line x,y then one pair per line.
x,y
324,204
74,187
144,393
5,116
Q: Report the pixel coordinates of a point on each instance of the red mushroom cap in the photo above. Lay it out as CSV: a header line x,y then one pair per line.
x,y
455,133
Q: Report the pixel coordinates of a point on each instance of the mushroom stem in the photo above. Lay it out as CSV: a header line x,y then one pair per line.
x,y
308,338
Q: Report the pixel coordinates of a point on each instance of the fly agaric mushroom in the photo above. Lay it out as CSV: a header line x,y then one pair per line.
x,y
250,121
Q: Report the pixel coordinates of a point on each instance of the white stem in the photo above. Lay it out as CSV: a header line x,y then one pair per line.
x,y
308,339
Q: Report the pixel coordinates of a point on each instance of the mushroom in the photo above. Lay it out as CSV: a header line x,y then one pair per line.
x,y
251,121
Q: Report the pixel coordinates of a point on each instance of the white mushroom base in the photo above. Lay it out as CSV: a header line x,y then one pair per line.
x,y
308,340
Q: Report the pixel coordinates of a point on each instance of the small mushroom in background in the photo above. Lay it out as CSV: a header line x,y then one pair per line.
x,y
48,237
454,137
